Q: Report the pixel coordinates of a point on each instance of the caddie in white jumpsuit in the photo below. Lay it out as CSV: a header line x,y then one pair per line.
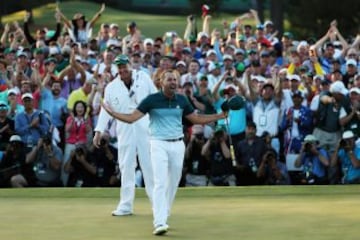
x,y
166,109
124,93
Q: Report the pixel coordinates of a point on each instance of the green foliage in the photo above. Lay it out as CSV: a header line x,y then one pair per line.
x,y
312,17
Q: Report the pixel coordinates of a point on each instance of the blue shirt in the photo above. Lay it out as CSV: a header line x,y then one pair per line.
x,y
236,118
313,163
54,106
31,134
350,172
166,115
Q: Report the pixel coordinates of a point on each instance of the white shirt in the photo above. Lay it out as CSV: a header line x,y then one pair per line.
x,y
117,95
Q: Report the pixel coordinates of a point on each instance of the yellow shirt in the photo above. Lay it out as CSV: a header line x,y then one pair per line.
x,y
77,95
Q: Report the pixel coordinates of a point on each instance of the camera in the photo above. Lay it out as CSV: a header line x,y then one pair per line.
x,y
47,139
102,142
342,143
79,151
307,147
199,136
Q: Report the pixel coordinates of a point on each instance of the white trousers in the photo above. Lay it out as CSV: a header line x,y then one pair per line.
x,y
167,161
138,144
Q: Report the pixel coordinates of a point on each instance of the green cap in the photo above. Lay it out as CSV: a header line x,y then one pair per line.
x,y
38,51
192,38
240,67
49,60
288,35
121,59
9,50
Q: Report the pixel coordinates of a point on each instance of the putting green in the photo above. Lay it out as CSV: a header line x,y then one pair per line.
x,y
293,212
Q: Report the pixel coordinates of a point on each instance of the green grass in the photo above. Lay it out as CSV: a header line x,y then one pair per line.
x,y
150,25
326,212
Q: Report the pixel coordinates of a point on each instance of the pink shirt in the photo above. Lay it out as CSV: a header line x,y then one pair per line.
x,y
77,133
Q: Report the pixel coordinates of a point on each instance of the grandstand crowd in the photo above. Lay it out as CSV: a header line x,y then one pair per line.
x,y
298,120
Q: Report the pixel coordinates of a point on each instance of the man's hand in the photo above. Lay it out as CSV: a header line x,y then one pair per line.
x,y
225,107
35,122
97,139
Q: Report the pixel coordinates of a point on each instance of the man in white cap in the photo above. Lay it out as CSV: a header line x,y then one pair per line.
x,y
347,155
31,124
314,161
333,107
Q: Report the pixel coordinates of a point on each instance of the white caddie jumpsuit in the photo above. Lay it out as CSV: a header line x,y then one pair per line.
x,y
132,138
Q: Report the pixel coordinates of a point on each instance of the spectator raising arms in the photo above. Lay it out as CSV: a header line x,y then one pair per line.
x,y
79,29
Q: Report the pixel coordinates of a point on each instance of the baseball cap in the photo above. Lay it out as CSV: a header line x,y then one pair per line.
x,y
288,35
180,63
12,91
210,52
227,57
240,67
310,138
338,87
66,50
131,24
38,51
49,60
27,95
3,105
15,138
268,22
202,34
317,76
239,51
197,129
121,59
230,86
53,50
21,54
258,78
114,25
351,62
9,50
355,90
148,41
295,77
348,134
260,27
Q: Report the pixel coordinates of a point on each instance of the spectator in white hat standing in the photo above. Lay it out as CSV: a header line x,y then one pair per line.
x,y
330,115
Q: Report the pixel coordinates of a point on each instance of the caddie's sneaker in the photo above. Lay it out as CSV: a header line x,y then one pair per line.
x,y
121,213
160,230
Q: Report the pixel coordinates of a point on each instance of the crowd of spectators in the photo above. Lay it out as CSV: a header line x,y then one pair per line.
x,y
299,121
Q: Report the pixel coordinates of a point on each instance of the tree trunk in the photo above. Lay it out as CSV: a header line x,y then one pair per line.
x,y
260,9
277,15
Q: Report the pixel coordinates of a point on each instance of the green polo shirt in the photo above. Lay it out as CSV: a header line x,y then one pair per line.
x,y
166,115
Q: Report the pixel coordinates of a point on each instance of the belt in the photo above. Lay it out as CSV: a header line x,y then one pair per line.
x,y
174,140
